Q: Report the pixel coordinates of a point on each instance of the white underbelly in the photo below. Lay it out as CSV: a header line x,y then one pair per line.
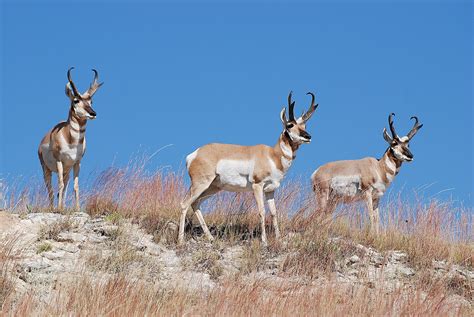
x,y
234,175
346,186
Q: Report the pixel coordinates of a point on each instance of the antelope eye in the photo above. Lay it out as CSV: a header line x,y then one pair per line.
x,y
289,125
76,100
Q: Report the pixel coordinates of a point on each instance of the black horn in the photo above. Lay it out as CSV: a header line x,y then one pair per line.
x,y
291,108
312,107
95,83
390,124
74,89
415,128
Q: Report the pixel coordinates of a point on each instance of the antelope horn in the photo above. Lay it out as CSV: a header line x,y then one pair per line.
x,y
305,117
415,128
291,107
74,89
95,84
392,128
96,75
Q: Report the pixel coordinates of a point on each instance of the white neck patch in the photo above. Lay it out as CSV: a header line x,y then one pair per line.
x,y
287,158
286,149
390,164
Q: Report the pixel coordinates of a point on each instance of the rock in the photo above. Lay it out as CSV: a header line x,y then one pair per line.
x,y
38,263
43,218
198,281
405,271
97,239
106,230
70,248
80,218
439,265
71,237
53,255
353,260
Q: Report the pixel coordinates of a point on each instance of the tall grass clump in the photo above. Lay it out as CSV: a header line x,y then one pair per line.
x,y
7,258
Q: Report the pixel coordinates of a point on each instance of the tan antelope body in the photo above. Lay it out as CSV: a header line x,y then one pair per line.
x,y
365,179
63,147
260,169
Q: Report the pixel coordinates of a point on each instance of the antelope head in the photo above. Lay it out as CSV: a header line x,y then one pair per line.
x,y
81,104
400,146
295,129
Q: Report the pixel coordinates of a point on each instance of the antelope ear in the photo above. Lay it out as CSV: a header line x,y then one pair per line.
x,y
69,91
386,136
283,116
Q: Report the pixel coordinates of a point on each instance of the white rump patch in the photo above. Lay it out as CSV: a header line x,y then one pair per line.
x,y
347,186
190,158
314,174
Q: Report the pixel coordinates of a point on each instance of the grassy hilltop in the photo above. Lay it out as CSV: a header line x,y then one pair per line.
x,y
119,255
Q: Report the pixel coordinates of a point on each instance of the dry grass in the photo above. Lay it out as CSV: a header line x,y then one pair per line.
x,y
426,229
120,256
51,231
43,247
119,296
205,260
7,257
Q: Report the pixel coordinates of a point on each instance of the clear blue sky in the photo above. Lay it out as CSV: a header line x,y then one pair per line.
x,y
189,74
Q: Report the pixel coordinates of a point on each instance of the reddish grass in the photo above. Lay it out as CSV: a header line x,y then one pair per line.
x,y
119,296
426,230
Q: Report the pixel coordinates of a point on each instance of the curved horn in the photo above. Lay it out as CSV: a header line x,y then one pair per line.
x,y
305,117
74,89
96,75
415,128
392,128
95,84
291,107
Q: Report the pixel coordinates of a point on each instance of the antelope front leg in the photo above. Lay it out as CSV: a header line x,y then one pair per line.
x,y
77,168
270,197
370,209
49,186
375,206
258,193
59,165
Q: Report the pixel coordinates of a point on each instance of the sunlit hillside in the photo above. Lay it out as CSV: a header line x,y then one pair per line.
x,y
119,256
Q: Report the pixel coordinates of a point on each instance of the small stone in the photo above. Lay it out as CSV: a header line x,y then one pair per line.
x,y
71,237
439,265
352,260
53,255
35,264
398,256
44,218
70,248
97,239
405,271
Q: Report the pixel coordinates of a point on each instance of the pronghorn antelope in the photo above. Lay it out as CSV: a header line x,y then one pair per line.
x,y
63,147
364,179
259,168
